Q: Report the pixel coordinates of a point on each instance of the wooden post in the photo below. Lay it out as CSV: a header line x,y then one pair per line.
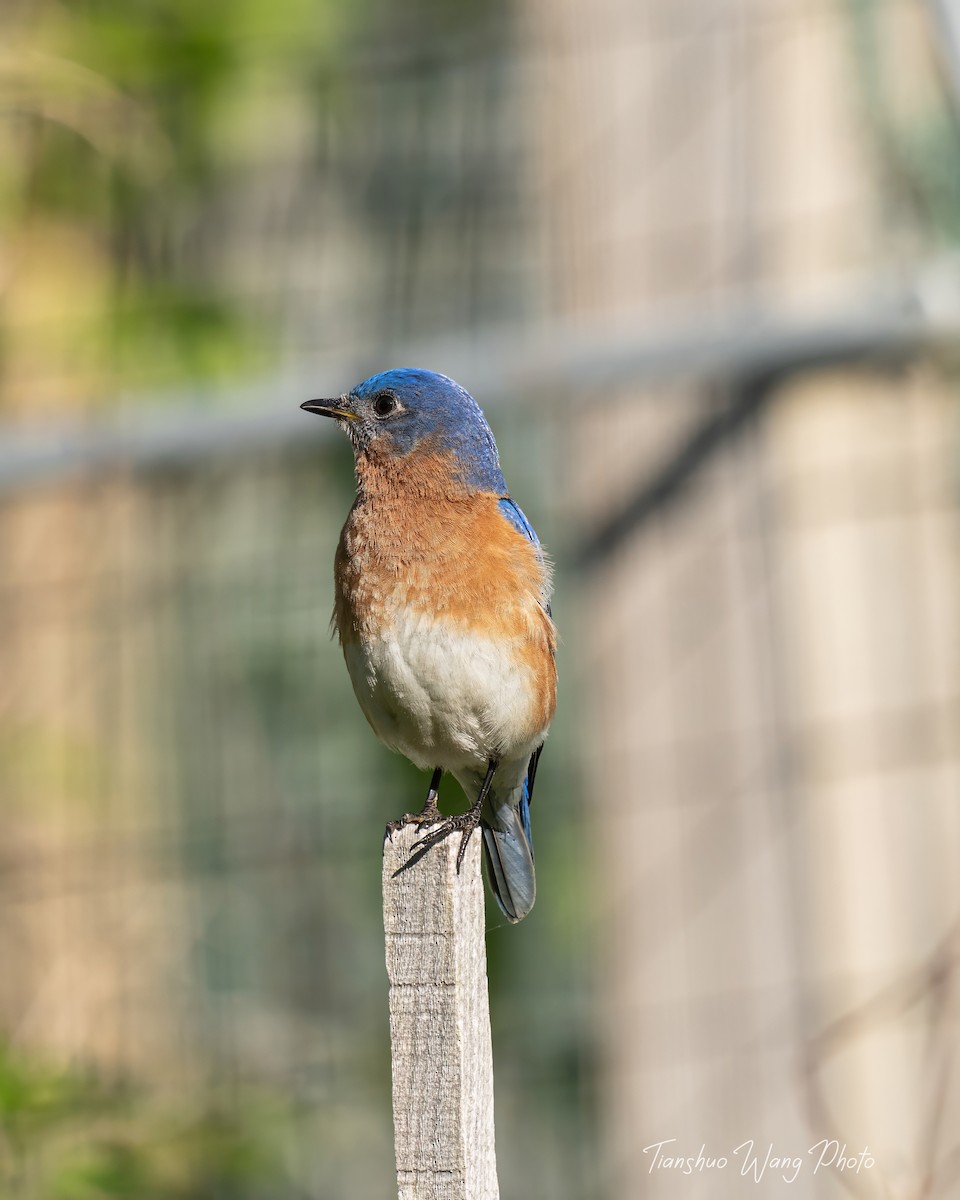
x,y
439,1021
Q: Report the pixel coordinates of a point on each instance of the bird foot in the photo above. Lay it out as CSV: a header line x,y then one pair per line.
x,y
428,815
465,822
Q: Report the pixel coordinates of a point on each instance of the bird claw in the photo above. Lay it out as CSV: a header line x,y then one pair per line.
x,y
465,822
428,815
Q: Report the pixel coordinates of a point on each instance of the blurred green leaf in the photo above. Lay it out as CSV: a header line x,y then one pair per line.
x,y
118,140
70,1136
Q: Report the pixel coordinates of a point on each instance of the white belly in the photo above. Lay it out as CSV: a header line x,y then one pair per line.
x,y
444,697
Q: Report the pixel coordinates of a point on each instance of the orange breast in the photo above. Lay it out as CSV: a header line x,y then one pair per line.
x,y
426,550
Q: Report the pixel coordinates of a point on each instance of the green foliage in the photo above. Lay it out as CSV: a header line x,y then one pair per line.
x,y
913,121
125,126
35,1099
70,1136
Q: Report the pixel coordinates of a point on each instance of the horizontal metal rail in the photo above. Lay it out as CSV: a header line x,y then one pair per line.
x,y
546,365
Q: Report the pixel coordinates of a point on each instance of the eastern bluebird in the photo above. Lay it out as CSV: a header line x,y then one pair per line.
x,y
443,611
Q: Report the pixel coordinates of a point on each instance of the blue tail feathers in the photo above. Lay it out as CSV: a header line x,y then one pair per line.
x,y
508,848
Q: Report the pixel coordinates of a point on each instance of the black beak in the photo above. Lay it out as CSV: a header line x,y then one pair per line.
x,y
327,408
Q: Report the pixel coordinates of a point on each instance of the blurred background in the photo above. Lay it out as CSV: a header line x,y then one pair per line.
x,y
698,260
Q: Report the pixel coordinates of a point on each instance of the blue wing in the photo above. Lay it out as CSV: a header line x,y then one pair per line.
x,y
514,514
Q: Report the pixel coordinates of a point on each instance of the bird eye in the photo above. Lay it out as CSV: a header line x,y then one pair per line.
x,y
384,404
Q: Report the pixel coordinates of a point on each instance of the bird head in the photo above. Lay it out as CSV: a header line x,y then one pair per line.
x,y
408,412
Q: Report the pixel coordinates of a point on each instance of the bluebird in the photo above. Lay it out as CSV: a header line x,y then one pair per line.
x,y
443,612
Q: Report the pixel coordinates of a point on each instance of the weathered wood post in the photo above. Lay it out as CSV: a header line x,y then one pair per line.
x,y
439,1021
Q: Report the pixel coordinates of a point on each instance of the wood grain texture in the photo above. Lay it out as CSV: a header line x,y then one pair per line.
x,y
439,1022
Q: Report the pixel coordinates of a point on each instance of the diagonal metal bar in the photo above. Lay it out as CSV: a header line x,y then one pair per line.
x,y
749,397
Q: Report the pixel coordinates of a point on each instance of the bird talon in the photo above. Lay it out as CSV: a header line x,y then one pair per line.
x,y
466,823
463,845
413,819
428,815
432,838
424,817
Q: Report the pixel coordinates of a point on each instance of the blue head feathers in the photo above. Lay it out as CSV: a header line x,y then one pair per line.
x,y
399,411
